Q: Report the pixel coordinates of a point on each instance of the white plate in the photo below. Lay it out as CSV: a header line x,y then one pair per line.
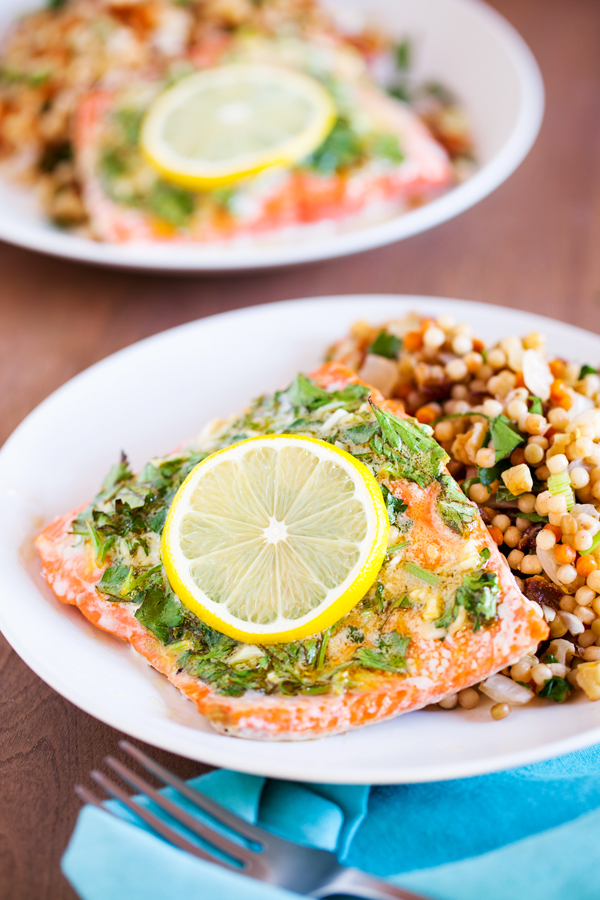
x,y
462,43
138,400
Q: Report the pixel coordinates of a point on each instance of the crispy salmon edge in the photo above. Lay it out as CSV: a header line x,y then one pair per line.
x,y
72,575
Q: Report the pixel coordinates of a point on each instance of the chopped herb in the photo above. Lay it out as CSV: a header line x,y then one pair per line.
x,y
422,574
503,493
355,635
361,434
395,506
413,454
504,436
468,483
488,476
401,602
479,594
323,647
171,203
55,5
485,554
587,370
557,689
456,511
387,146
390,656
536,408
403,55
161,612
549,659
385,344
396,547
341,149
130,122
304,392
533,517
379,596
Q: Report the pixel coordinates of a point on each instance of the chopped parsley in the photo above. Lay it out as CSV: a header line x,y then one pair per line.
x,y
390,655
385,344
557,689
479,594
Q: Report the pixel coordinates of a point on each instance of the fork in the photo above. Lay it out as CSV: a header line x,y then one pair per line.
x,y
244,849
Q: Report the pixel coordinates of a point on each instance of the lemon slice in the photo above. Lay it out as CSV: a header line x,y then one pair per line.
x,y
217,126
275,538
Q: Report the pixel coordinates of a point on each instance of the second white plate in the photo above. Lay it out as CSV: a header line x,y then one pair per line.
x,y
139,400
463,44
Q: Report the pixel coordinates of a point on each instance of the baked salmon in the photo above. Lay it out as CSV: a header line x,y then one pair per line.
x,y
397,164
444,613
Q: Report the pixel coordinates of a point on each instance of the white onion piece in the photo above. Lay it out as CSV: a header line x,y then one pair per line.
x,y
551,567
536,374
380,372
501,689
586,508
574,624
579,404
562,650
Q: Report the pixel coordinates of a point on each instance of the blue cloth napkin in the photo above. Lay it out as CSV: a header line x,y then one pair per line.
x,y
532,832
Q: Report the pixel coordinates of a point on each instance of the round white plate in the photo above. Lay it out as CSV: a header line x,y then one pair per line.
x,y
463,44
139,400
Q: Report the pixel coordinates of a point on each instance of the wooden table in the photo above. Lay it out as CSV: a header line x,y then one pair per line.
x,y
534,244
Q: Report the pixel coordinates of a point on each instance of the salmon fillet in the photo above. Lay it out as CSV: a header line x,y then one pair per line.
x,y
435,667
293,197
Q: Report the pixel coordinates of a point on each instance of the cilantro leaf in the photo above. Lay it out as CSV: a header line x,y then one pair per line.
x,y
587,370
113,580
413,454
395,507
390,657
160,612
557,689
478,593
304,392
455,510
171,203
536,408
385,344
504,436
360,434
355,635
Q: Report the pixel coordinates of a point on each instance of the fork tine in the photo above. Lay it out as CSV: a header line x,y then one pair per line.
x,y
220,813
88,797
217,840
161,828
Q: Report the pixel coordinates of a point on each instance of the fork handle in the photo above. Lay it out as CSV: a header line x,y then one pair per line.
x,y
358,884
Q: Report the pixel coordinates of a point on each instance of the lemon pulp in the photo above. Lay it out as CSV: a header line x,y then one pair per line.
x,y
219,125
275,538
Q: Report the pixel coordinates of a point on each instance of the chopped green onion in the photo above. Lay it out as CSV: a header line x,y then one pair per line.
x,y
428,577
395,547
560,485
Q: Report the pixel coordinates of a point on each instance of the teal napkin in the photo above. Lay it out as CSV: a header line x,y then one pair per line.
x,y
531,832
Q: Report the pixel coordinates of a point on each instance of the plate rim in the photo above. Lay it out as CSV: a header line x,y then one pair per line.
x,y
220,750
157,258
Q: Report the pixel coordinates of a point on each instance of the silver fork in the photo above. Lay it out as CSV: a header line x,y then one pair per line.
x,y
249,850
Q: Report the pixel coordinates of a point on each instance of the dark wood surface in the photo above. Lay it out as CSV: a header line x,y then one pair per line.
x,y
534,244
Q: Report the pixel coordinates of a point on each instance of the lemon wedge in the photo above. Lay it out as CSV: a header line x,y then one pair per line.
x,y
275,538
219,125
